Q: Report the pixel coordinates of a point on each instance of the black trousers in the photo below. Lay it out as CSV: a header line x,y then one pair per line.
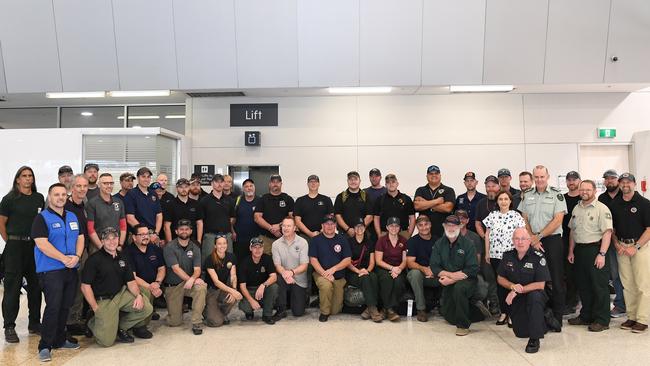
x,y
298,301
569,275
19,262
527,314
593,284
554,253
60,288
502,292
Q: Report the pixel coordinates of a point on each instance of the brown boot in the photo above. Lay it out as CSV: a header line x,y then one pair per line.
x,y
375,315
423,316
392,315
365,315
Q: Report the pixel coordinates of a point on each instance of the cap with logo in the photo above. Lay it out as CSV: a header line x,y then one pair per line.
x,y
275,177
491,178
329,218
66,169
182,182
256,242
610,173
155,185
469,175
91,166
452,220
503,172
184,222
374,172
433,169
106,232
628,176
573,175
126,176
392,221
313,177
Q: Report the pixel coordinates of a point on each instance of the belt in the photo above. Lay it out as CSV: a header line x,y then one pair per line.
x,y
100,298
627,241
18,237
592,243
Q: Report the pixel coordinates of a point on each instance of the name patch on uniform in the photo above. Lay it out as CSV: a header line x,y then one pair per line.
x,y
190,254
283,204
56,225
528,265
74,226
337,248
121,263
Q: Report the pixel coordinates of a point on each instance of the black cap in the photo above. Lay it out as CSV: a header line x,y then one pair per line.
x,y
329,218
106,232
628,176
247,180
453,220
491,178
66,169
182,182
354,174
217,178
573,175
392,221
469,175
610,173
184,222
195,177
275,177
359,221
375,172
312,177
155,185
256,242
125,176
461,213
91,166
433,169
390,176
144,170
504,172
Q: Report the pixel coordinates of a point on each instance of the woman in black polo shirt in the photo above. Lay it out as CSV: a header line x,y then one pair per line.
x,y
360,274
222,284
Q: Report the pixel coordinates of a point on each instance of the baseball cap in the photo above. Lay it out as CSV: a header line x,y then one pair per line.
x,y
392,221
469,175
246,181
610,173
390,177
217,178
144,170
433,169
313,177
275,177
329,218
461,214
503,172
66,169
354,174
573,175
452,220
184,222
182,182
125,176
491,178
155,185
628,176
374,171
422,218
359,221
256,242
91,166
106,232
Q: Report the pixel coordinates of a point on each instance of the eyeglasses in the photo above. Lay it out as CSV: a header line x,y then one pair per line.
x,y
108,183
142,235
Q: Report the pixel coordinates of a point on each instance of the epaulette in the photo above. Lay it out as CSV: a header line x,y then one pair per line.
x,y
539,254
555,189
529,190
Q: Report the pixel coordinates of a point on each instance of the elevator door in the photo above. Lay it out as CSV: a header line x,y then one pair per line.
x,y
259,174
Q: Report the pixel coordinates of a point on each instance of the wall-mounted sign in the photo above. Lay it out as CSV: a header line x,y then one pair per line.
x,y
205,173
252,138
606,133
245,115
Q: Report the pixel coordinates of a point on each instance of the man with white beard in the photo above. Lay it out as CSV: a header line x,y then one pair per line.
x,y
454,263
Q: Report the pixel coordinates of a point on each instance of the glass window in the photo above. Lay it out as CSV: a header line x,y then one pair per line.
x,y
11,118
170,117
81,117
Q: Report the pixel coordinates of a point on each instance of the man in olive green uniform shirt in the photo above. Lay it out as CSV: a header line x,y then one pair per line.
x,y
454,263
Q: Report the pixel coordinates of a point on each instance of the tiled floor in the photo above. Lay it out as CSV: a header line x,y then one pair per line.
x,y
344,340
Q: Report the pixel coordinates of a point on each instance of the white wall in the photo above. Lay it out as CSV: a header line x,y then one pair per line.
x,y
330,136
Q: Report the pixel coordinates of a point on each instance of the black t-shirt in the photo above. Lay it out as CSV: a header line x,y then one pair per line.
x,y
631,218
311,210
420,249
20,211
354,207
223,270
145,265
366,247
606,199
165,200
571,203
274,209
437,218
483,209
254,274
400,206
216,213
177,210
463,202
106,274
80,212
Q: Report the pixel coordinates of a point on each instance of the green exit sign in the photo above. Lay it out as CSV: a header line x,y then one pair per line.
x,y
607,133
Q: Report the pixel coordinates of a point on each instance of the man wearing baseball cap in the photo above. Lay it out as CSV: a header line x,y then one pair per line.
x,y
469,200
258,283
394,204
375,190
310,209
572,197
215,216
91,171
196,192
505,177
143,206
435,200
65,177
487,204
272,208
182,207
126,184
351,205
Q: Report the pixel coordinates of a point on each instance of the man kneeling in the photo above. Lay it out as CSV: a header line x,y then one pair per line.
x,y
109,287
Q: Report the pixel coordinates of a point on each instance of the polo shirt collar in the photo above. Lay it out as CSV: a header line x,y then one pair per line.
x,y
284,240
56,213
592,203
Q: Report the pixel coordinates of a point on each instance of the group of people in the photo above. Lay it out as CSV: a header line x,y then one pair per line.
x,y
527,256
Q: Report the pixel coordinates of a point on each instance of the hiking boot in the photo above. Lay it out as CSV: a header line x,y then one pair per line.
x,y
366,314
375,315
392,315
422,316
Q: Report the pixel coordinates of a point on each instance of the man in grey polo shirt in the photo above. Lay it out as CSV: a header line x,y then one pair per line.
x,y
105,211
290,257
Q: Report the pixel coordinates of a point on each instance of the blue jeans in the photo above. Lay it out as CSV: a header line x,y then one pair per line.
x,y
619,300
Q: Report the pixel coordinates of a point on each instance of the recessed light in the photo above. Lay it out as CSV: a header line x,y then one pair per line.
x,y
87,114
98,94
139,117
139,93
360,90
175,116
147,137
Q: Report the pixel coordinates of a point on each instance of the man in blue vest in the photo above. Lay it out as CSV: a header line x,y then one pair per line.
x,y
59,245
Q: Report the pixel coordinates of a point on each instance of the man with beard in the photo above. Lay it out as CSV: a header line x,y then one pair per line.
x,y
65,177
468,201
271,210
418,255
525,183
453,262
435,200
245,227
505,178
483,209
572,197
126,184
375,190
611,193
394,203
352,205
182,207
196,192
91,171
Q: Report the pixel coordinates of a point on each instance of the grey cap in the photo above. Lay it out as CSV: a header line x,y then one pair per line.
x,y
504,172
610,173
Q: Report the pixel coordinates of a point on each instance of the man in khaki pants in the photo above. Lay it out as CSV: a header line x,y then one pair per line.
x,y
329,254
631,213
183,278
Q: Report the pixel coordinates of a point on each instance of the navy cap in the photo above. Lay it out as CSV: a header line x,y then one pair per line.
x,y
461,213
313,177
155,185
392,221
503,172
374,171
91,166
452,220
491,178
329,218
275,177
433,169
628,176
610,173
573,175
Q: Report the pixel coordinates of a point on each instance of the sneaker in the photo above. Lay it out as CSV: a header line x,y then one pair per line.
x,y
197,329
279,315
577,321
462,331
34,329
69,345
532,346
11,336
639,328
268,320
366,314
124,337
483,309
323,318
155,316
142,332
375,315
392,315
597,327
70,338
422,316
249,316
628,324
44,355
617,312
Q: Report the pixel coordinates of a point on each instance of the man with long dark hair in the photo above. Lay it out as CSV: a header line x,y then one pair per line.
x,y
17,211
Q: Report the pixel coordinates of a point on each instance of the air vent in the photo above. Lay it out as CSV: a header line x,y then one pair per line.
x,y
217,94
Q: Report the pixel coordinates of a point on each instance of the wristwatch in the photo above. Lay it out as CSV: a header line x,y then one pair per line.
x,y
602,254
637,246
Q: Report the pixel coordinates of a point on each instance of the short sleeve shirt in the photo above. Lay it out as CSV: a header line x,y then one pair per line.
x,y
420,248
311,210
254,274
291,255
145,264
105,214
479,244
361,252
330,251
20,211
274,209
179,210
106,274
502,226
355,206
463,202
589,222
531,268
216,213
542,206
392,255
222,269
400,206
187,258
143,206
483,209
437,218
631,218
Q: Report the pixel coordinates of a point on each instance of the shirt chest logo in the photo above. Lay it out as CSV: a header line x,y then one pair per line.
x,y
121,263
229,265
460,252
153,257
528,265
192,209
441,191
262,269
337,248
74,226
190,254
116,206
154,198
282,203
320,203
56,225
633,210
461,200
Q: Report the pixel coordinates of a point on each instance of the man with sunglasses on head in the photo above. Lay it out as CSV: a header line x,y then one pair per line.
x,y
105,211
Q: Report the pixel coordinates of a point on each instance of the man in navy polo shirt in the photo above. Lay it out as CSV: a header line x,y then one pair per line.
x,y
143,206
418,254
59,245
329,254
469,200
146,261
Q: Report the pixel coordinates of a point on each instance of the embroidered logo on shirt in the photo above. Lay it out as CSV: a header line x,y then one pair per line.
x,y
74,226
282,203
528,265
460,251
192,209
229,265
320,203
190,254
337,248
56,225
441,191
116,206
262,269
542,262
633,210
121,263
153,198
